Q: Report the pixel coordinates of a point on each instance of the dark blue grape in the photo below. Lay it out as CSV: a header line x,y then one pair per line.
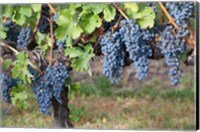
x,y
44,23
13,31
24,37
61,44
172,47
52,85
7,84
137,42
56,76
42,94
113,49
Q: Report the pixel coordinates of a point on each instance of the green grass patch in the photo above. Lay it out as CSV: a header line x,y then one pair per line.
x,y
100,87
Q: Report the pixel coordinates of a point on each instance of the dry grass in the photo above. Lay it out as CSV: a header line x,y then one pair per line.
x,y
139,113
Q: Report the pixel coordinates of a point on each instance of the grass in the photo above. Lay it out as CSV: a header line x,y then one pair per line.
x,y
99,105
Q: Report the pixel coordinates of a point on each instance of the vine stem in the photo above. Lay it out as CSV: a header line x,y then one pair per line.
x,y
36,26
168,16
120,11
117,24
52,39
9,47
17,52
52,9
1,60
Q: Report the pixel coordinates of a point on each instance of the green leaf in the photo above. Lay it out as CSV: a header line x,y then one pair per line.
x,y
98,8
67,26
7,63
20,19
69,41
147,19
73,52
19,97
61,32
26,11
109,13
75,88
36,7
8,10
63,19
95,8
132,6
81,57
75,30
3,33
93,22
20,69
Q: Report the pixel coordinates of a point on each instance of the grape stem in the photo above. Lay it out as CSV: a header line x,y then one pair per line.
x,y
36,27
1,60
52,9
168,16
52,39
120,11
17,52
117,24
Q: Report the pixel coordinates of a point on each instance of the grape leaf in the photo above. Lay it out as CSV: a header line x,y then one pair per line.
x,y
3,32
8,11
73,86
75,30
93,22
7,63
26,11
19,97
132,6
81,57
36,7
67,26
20,69
109,13
95,8
19,18
147,18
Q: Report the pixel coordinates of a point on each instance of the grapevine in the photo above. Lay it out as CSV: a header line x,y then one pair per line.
x,y
64,39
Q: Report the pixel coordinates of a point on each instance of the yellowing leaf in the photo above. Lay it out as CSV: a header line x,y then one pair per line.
x,y
132,6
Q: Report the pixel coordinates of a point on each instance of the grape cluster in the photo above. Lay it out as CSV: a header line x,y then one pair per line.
x,y
44,23
137,42
128,38
52,85
113,49
173,42
24,37
42,94
172,47
13,31
7,84
55,79
181,12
